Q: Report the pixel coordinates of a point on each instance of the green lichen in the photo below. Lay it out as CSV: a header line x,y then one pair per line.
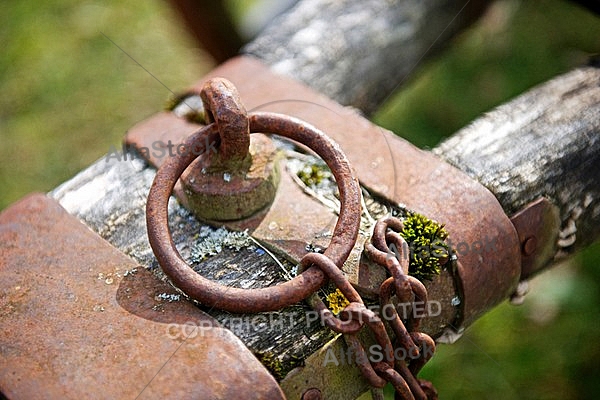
x,y
428,250
210,242
275,366
312,175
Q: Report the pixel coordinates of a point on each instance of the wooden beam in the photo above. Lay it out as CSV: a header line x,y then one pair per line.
x,y
212,27
359,52
545,142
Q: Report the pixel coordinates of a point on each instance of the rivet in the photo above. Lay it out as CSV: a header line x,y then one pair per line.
x,y
529,245
312,394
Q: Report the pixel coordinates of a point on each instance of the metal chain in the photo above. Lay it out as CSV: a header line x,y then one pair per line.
x,y
415,345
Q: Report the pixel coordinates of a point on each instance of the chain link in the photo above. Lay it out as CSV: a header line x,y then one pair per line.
x,y
416,346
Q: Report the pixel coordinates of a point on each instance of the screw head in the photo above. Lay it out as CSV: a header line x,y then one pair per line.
x,y
529,245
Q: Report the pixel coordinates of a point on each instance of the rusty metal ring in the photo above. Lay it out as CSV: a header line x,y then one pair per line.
x,y
269,298
333,272
358,311
425,342
330,320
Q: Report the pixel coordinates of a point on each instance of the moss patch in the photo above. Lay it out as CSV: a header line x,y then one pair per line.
x,y
312,175
428,251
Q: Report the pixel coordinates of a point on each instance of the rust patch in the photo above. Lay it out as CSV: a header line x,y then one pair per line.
x,y
80,318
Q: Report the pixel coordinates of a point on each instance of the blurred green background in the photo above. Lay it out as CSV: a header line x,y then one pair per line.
x,y
68,94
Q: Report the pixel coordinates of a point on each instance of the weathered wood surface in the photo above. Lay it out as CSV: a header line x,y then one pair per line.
x,y
358,52
545,142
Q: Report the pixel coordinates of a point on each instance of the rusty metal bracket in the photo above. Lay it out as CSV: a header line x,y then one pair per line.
x,y
489,247
79,318
538,226
486,241
233,124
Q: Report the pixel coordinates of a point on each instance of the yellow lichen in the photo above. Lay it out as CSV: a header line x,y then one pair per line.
x,y
337,301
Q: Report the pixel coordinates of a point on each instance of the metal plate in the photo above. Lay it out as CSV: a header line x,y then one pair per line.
x,y
79,319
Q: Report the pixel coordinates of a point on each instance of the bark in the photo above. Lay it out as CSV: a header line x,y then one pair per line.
x,y
358,52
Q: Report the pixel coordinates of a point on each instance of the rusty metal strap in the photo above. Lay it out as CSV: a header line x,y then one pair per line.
x,y
79,319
